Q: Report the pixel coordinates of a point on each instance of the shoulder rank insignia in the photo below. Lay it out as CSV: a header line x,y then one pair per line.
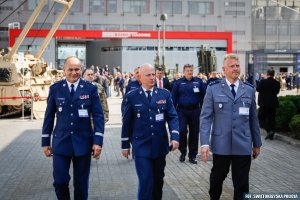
x,y
249,84
214,82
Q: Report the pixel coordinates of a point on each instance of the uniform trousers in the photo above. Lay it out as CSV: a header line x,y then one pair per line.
x,y
189,131
81,172
266,117
150,172
240,167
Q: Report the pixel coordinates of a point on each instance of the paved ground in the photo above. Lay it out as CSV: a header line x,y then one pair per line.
x,y
26,174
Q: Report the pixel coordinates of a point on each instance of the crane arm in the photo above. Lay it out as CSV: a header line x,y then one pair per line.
x,y
27,27
67,5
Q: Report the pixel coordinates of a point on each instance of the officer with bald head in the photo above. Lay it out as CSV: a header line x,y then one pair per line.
x,y
72,102
146,112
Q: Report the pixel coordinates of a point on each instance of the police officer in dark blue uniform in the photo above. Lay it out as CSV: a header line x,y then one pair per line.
x,y
73,102
187,94
133,83
147,109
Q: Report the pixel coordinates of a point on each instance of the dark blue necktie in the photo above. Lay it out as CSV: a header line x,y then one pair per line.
x,y
232,90
72,90
149,95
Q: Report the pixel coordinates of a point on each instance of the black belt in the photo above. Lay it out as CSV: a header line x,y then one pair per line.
x,y
188,107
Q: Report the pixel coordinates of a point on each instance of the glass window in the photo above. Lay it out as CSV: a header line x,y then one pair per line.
x,y
202,28
136,6
66,50
201,8
112,6
31,5
104,27
6,8
259,29
235,4
175,28
271,29
238,32
169,7
97,6
234,12
283,29
103,6
72,26
138,27
295,29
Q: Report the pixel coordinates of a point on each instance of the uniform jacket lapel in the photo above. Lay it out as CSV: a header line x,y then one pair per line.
x,y
78,89
226,89
240,90
143,96
66,89
154,95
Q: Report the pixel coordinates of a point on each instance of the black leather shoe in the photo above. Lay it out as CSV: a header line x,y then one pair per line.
x,y
182,158
193,161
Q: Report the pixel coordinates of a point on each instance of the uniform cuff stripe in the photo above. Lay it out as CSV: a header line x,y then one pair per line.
x,y
45,135
175,132
124,139
99,134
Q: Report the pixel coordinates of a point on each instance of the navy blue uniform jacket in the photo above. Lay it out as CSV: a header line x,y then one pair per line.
x,y
141,126
73,135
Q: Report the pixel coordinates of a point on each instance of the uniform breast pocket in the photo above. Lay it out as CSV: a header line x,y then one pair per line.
x,y
84,104
61,105
139,112
161,108
246,102
220,104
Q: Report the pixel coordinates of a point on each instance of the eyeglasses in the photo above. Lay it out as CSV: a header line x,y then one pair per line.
x,y
231,56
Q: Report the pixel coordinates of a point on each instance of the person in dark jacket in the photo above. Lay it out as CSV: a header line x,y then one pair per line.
x,y
268,102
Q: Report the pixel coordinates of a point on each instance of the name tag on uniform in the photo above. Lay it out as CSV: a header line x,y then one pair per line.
x,y
196,90
83,113
159,117
243,111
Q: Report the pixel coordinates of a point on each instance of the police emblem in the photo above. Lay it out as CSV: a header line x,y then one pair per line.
x,y
138,115
220,105
59,109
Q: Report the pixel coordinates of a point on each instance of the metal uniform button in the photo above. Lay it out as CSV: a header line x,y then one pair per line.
x,y
71,114
151,126
152,133
71,132
150,117
149,110
71,123
71,105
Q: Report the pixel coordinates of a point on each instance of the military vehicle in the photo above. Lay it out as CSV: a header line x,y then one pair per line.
x,y
207,60
25,80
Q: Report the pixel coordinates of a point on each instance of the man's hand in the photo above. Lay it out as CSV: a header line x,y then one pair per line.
x,y
47,151
97,151
255,152
204,153
106,120
126,153
174,144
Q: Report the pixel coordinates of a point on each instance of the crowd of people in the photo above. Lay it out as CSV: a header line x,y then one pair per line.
x,y
220,109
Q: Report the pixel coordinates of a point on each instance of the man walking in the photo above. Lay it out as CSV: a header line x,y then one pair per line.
x,y
72,102
229,128
187,94
268,90
146,112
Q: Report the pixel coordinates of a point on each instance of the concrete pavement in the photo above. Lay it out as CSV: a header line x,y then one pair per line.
x,y
25,173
